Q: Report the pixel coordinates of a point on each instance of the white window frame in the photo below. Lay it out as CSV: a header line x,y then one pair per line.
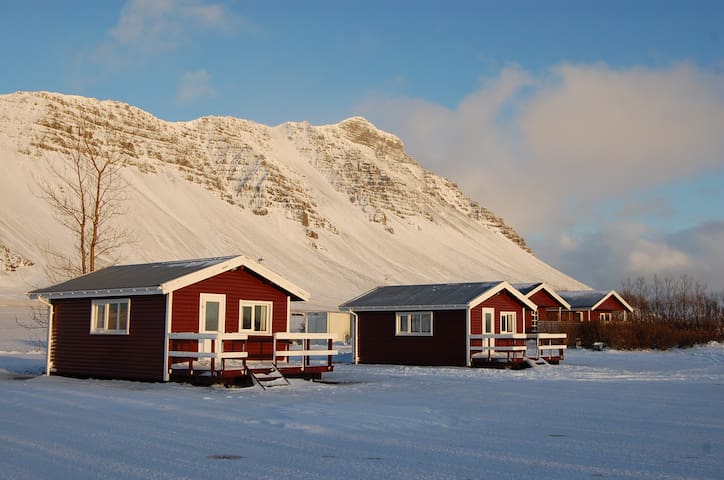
x,y
253,304
508,320
405,329
579,314
534,318
605,317
99,326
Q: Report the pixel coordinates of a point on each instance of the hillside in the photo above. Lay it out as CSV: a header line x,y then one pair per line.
x,y
337,209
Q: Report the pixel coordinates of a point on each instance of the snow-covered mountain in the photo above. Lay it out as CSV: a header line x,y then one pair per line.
x,y
337,209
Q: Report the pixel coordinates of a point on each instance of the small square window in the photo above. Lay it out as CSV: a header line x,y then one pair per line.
x,y
255,317
507,322
110,317
414,323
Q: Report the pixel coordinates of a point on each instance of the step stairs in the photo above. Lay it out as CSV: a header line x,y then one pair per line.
x,y
267,376
536,362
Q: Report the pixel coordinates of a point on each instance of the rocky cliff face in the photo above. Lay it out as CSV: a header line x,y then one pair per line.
x,y
337,208
248,164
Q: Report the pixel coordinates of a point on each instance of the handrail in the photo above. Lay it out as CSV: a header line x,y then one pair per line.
x,y
306,336
499,336
306,352
547,336
207,336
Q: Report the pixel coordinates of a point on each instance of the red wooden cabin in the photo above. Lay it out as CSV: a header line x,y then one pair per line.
x,y
206,320
457,324
595,306
550,304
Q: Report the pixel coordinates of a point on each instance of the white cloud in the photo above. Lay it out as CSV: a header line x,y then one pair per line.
x,y
547,151
626,128
154,25
194,85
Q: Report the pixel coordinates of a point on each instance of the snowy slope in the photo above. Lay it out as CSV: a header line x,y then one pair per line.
x,y
337,209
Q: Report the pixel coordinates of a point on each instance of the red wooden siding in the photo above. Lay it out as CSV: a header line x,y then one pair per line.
x,y
611,304
544,299
136,356
547,305
378,343
236,285
502,302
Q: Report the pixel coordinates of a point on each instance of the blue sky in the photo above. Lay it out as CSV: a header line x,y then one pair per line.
x,y
595,128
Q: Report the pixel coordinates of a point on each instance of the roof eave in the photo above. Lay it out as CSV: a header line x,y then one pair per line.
x,y
618,297
111,292
552,293
503,285
231,264
401,308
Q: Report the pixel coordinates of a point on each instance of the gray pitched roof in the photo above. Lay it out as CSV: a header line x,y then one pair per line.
x,y
431,296
526,288
583,298
590,299
144,275
159,277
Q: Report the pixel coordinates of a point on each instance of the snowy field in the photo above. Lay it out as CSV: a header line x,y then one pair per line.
x,y
611,414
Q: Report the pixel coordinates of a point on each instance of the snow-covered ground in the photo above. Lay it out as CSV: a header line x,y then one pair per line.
x,y
611,414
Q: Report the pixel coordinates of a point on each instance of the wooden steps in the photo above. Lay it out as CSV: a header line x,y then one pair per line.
x,y
267,376
536,362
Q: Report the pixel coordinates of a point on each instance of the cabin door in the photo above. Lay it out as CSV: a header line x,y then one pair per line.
x,y
212,314
488,326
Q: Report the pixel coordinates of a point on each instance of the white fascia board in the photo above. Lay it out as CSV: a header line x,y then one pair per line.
x,y
230,264
552,293
113,292
500,287
618,297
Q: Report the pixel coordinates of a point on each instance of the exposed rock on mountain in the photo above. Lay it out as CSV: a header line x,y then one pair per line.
x,y
342,204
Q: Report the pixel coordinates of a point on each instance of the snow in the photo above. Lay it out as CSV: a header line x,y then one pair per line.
x,y
172,218
611,414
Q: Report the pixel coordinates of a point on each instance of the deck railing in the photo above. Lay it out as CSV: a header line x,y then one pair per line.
x,y
291,350
549,345
216,352
302,349
510,346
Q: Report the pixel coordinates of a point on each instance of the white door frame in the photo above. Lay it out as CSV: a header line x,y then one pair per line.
x,y
204,298
488,326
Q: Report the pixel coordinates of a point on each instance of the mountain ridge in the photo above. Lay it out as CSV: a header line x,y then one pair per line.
x,y
327,193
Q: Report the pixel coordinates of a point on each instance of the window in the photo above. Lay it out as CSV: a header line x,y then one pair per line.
x,y
111,317
604,316
507,322
255,317
580,316
414,323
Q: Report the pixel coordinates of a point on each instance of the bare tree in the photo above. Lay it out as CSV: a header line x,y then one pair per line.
x,y
86,193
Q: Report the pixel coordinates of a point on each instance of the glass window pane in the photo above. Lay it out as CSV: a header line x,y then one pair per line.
x,y
112,316
426,324
123,316
403,323
246,317
416,323
261,317
100,316
212,317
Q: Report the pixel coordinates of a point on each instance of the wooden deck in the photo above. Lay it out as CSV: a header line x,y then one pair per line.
x,y
228,361
516,350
